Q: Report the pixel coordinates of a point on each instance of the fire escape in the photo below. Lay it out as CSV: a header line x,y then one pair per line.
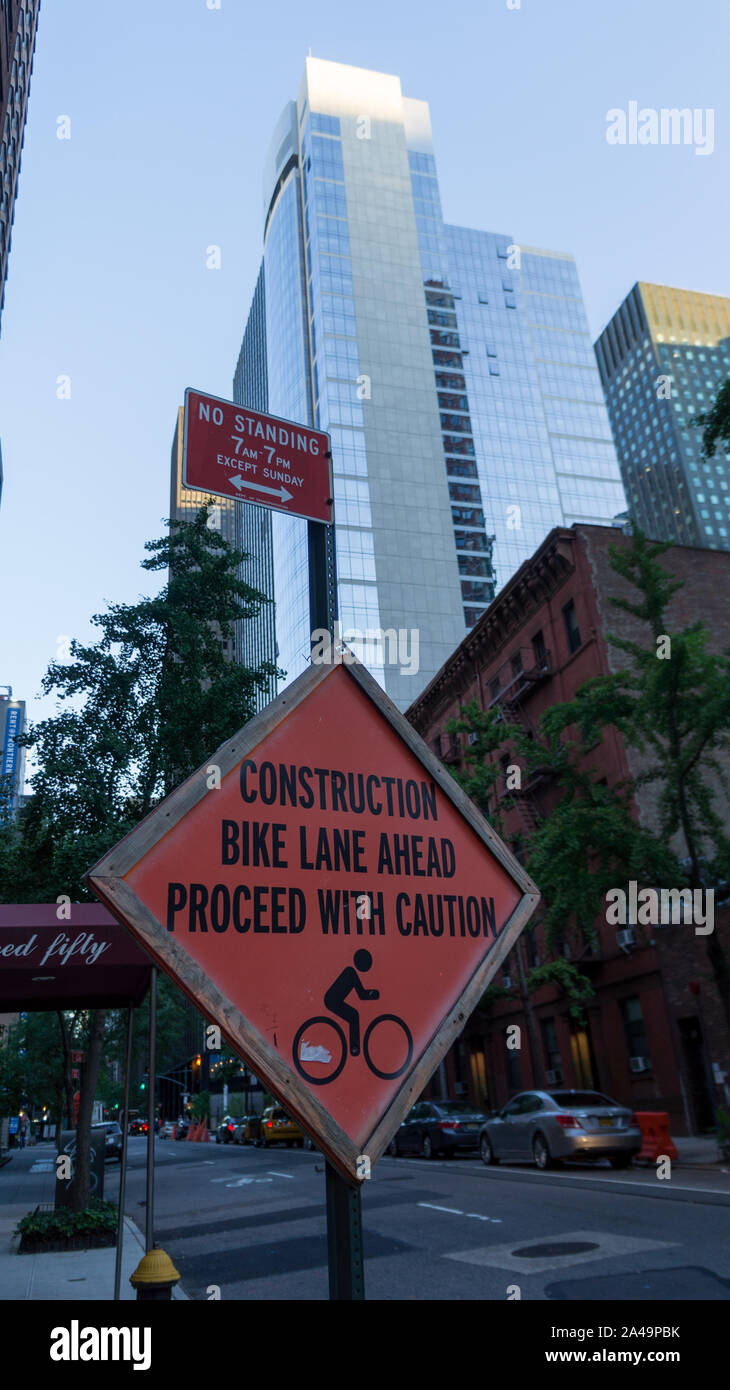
x,y
515,681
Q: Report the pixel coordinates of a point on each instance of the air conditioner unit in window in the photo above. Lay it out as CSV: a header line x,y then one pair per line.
x,y
639,1063
506,981
555,1077
626,938
472,736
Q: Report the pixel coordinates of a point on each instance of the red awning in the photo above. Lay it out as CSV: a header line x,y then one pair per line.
x,y
85,961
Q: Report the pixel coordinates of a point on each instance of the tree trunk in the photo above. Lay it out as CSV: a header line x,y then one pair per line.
x,y
80,1188
67,1079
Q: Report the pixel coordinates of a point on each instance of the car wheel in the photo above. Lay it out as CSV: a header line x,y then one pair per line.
x,y
393,1149
541,1153
486,1152
620,1161
427,1148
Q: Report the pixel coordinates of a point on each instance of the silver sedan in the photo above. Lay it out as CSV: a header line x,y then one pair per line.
x,y
549,1126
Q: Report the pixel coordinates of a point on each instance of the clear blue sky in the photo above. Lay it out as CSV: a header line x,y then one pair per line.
x,y
171,108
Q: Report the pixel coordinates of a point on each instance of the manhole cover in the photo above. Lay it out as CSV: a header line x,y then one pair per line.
x,y
556,1247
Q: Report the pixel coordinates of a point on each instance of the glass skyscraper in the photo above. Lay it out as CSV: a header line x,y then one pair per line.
x,y
662,358
453,369
18,23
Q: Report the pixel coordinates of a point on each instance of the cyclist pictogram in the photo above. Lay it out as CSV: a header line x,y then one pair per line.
x,y
321,1048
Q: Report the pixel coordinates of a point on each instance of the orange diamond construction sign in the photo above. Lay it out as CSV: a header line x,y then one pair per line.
x,y
326,894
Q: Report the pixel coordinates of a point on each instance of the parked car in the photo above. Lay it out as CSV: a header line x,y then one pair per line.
x,y
549,1126
438,1127
248,1130
112,1131
278,1128
226,1129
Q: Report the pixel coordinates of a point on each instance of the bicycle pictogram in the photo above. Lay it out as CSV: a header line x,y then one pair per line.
x,y
320,1047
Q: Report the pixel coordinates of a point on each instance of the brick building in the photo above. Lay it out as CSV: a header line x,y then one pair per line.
x,y
656,1035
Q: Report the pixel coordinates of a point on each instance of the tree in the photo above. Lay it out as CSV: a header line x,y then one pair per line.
x,y
589,840
676,703
672,702
137,711
715,422
676,696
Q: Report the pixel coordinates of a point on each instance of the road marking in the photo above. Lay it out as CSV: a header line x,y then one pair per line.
x,y
432,1207
581,1176
455,1211
239,1182
280,1175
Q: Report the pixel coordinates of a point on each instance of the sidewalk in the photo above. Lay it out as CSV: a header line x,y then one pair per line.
x,y
699,1152
74,1275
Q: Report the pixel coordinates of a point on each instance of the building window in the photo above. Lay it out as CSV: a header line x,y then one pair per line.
x,y
636,1040
571,626
550,1045
494,688
516,664
538,650
514,1077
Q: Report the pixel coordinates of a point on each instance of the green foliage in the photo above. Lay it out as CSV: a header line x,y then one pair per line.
x,y
715,422
492,995
99,1216
138,711
32,1062
677,713
480,776
567,978
200,1105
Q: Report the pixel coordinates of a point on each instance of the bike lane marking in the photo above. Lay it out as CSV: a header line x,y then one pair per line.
x,y
455,1211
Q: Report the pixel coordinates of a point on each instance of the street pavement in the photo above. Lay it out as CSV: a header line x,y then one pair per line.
x,y
246,1223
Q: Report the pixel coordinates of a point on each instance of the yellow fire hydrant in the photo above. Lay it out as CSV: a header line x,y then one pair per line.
x,y
154,1276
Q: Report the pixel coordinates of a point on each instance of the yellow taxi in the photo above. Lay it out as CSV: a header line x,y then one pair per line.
x,y
278,1128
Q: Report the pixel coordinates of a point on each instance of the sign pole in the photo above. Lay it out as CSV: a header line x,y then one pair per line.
x,y
123,1159
150,1184
344,1237
344,1203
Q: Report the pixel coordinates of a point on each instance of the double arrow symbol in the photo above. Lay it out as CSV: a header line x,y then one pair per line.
x,y
280,492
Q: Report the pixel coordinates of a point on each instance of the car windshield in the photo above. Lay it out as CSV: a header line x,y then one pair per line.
x,y
455,1107
580,1099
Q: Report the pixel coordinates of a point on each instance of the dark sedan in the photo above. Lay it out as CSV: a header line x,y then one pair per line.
x,y
112,1133
549,1126
438,1127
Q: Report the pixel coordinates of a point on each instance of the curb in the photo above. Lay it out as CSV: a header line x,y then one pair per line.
x,y
178,1293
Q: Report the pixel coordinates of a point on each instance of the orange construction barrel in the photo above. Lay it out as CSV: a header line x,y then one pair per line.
x,y
655,1137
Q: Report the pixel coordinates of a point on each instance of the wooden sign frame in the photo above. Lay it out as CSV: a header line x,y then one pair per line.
x,y
106,879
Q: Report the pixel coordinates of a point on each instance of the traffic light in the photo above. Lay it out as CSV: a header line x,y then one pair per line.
x,y
143,1082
